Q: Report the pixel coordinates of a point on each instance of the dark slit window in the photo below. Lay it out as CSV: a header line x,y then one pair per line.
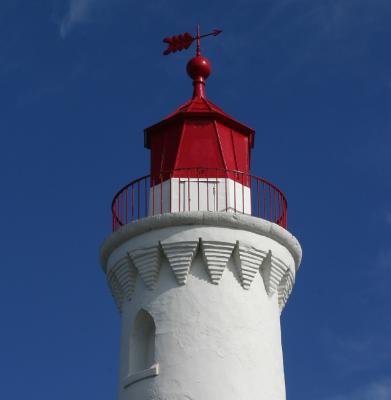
x,y
142,343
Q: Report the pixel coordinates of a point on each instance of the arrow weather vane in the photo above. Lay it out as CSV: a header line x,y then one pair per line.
x,y
184,41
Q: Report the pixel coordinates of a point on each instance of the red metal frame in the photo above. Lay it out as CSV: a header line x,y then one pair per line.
x,y
267,201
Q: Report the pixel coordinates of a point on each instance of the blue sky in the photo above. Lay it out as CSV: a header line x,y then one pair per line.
x,y
81,79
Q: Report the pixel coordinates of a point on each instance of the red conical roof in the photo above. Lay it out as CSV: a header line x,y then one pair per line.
x,y
200,107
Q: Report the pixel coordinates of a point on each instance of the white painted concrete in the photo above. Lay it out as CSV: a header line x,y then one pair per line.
x,y
199,194
213,284
246,223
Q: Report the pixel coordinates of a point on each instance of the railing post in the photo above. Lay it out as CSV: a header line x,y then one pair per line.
x,y
242,194
153,196
275,205
217,191
127,205
207,191
270,203
170,178
280,205
138,199
286,214
234,194
188,192
120,209
179,193
226,194
161,194
146,194
198,188
132,201
113,227
249,181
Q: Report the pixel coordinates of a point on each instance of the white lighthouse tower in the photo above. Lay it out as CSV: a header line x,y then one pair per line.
x,y
200,262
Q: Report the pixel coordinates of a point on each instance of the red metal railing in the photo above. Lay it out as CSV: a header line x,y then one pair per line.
x,y
196,189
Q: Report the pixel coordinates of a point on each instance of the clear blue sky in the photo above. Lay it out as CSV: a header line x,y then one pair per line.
x,y
80,79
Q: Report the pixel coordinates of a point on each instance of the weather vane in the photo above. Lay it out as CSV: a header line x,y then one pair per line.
x,y
184,41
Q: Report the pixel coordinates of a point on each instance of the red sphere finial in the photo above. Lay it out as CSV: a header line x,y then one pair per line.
x,y
199,67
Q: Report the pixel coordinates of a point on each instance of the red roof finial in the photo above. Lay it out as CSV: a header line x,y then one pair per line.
x,y
198,51
198,67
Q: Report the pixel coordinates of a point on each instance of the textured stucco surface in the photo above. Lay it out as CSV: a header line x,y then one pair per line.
x,y
213,341
203,218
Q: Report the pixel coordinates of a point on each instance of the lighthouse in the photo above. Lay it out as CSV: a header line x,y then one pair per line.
x,y
200,262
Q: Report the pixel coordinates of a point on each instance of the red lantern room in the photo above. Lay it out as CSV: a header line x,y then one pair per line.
x,y
198,135
200,160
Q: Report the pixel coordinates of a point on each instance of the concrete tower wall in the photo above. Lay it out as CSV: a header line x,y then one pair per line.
x,y
201,295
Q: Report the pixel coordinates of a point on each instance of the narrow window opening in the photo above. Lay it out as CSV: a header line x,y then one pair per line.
x,y
142,343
